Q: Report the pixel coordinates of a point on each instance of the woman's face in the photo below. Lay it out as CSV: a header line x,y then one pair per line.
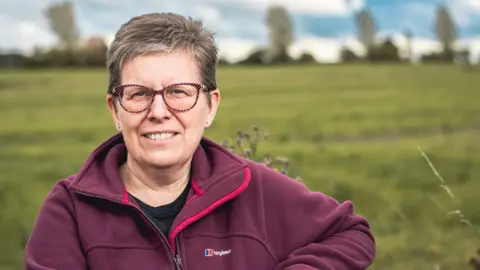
x,y
147,134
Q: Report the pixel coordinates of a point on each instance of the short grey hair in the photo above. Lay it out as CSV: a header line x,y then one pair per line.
x,y
163,33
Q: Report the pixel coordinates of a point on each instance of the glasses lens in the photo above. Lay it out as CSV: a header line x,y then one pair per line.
x,y
136,98
181,96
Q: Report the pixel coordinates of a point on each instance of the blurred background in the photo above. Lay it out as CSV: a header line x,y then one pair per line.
x,y
372,101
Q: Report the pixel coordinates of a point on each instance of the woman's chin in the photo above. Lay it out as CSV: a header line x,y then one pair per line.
x,y
162,159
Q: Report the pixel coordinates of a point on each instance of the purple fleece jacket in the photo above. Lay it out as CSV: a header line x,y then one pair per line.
x,y
238,215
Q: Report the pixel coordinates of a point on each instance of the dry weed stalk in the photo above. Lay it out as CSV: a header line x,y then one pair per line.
x,y
474,261
246,145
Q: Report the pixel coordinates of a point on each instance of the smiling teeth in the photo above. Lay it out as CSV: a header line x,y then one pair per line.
x,y
160,136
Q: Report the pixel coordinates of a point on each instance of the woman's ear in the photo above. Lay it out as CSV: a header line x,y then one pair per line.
x,y
213,106
112,106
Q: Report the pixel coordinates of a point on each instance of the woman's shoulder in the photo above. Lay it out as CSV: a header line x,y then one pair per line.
x,y
60,192
276,185
270,177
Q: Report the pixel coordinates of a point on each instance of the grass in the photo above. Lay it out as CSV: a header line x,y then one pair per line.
x,y
349,131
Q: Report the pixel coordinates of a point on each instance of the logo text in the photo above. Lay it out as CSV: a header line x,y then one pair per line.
x,y
210,252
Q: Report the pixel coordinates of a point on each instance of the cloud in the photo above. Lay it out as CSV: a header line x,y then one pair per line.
x,y
330,7
208,13
465,12
25,25
327,50
22,34
234,50
473,45
474,4
324,50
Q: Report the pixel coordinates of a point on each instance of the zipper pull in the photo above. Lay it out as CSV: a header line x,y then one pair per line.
x,y
178,261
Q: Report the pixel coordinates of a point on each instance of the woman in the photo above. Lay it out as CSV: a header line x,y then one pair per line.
x,y
158,195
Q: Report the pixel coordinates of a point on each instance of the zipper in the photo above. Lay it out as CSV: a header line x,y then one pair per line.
x,y
177,259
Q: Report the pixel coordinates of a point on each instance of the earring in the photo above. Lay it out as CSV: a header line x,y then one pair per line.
x,y
119,127
206,122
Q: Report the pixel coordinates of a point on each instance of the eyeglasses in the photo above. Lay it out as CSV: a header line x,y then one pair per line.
x,y
181,97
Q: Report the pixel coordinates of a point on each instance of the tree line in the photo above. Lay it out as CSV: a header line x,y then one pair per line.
x,y
71,52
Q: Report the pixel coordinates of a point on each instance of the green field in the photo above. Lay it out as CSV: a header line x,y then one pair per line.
x,y
349,131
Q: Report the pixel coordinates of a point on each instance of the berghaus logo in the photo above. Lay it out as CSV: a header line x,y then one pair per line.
x,y
210,252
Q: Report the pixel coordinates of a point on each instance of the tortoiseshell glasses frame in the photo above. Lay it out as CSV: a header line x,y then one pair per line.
x,y
137,98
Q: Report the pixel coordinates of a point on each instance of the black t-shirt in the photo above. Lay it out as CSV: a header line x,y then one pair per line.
x,y
163,216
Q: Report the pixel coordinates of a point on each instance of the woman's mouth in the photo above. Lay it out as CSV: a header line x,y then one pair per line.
x,y
158,136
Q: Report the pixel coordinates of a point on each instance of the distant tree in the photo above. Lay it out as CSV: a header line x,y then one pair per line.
x,y
384,52
348,55
12,60
255,58
280,33
63,24
306,58
366,28
223,61
93,52
445,30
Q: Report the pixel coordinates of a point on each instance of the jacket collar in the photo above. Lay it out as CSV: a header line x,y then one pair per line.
x,y
211,164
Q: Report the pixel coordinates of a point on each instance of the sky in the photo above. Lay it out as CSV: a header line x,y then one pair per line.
x,y
321,26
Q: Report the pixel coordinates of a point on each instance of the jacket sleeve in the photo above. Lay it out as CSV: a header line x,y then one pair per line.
x,y
54,242
310,230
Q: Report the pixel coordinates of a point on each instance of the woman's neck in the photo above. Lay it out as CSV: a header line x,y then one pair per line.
x,y
155,186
